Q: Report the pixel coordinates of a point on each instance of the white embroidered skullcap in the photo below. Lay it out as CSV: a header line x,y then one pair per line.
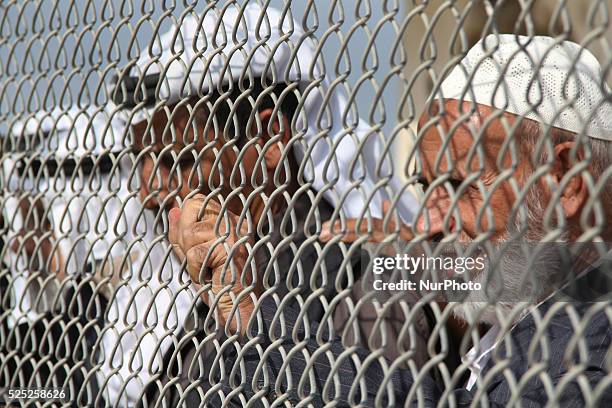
x,y
200,54
558,84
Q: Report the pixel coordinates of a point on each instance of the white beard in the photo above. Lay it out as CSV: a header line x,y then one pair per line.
x,y
515,284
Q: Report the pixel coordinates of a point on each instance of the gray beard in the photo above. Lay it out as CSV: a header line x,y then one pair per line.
x,y
518,281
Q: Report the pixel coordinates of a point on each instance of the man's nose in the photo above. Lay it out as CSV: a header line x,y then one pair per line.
x,y
432,222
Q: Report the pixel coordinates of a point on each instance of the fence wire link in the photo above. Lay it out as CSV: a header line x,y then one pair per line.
x,y
208,204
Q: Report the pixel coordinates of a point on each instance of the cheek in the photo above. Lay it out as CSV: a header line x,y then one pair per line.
x,y
250,161
465,211
186,188
246,166
493,216
146,169
468,208
205,171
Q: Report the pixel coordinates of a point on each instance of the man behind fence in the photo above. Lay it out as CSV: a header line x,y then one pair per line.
x,y
272,148
516,88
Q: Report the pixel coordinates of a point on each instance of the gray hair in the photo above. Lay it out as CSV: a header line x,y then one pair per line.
x,y
537,141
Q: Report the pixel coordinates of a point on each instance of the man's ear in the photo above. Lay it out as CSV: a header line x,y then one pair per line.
x,y
273,153
575,192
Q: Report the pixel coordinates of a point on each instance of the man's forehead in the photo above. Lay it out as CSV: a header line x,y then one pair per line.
x,y
456,129
157,133
463,125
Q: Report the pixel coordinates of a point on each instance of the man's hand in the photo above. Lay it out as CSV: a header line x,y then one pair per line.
x,y
380,230
216,257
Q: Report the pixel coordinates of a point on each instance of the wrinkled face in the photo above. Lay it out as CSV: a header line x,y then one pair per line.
x,y
450,150
483,177
180,154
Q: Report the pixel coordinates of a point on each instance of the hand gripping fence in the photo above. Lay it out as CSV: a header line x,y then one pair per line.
x,y
305,203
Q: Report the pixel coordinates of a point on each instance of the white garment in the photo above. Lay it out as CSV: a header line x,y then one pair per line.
x,y
103,223
146,316
477,358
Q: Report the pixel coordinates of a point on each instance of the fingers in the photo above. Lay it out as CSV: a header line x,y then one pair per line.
x,y
190,209
197,268
199,208
209,260
174,217
196,223
205,264
197,233
350,233
376,229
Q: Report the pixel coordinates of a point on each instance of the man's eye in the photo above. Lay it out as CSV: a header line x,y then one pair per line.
x,y
186,161
166,160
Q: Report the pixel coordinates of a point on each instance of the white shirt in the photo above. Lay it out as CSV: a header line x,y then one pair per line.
x,y
477,358
146,314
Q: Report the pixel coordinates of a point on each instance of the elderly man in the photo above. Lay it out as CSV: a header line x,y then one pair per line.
x,y
479,151
253,135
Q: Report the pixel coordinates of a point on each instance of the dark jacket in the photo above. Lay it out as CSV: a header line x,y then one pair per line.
x,y
562,358
300,271
290,262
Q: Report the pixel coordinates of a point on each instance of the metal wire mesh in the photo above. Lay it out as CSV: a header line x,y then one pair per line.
x,y
198,199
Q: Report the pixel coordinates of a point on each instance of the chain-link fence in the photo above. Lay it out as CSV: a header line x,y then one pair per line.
x,y
284,203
